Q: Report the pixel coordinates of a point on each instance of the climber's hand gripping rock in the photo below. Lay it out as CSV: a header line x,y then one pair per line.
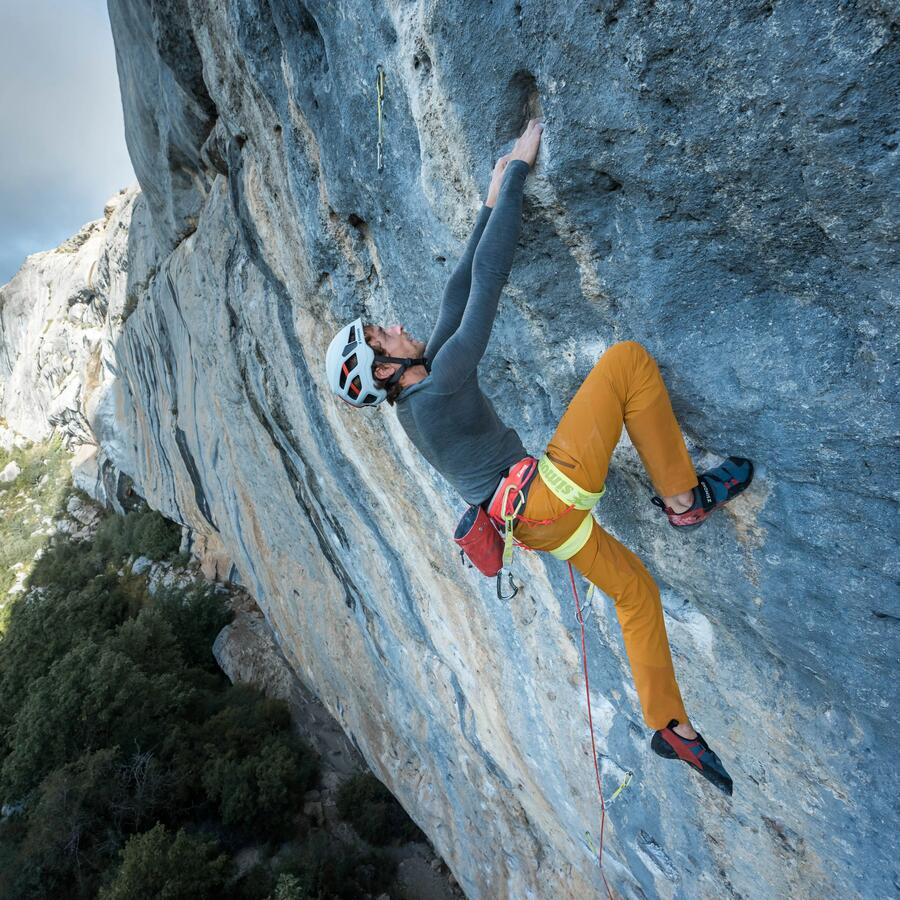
x,y
497,180
527,145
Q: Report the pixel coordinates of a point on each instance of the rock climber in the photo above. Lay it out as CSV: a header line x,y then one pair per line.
x,y
434,387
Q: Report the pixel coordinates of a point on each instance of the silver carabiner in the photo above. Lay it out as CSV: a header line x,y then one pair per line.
x,y
512,584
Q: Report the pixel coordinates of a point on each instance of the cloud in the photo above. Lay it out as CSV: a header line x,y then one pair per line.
x,y
62,140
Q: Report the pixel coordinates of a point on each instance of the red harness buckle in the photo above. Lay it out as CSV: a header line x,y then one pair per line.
x,y
507,499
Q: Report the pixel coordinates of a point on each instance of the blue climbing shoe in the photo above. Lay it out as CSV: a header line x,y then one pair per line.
x,y
671,745
717,486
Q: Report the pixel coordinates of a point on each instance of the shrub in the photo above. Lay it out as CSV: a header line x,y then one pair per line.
x,y
196,616
255,770
68,834
288,887
149,642
42,630
324,867
140,533
95,696
158,865
114,715
44,473
256,883
48,625
155,536
67,565
374,812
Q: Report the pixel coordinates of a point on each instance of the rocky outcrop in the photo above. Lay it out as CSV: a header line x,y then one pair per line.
x,y
716,181
61,317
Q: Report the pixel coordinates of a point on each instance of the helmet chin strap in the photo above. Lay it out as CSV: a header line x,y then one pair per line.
x,y
405,363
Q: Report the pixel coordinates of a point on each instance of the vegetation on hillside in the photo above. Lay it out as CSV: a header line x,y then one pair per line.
x,y
130,767
27,505
114,718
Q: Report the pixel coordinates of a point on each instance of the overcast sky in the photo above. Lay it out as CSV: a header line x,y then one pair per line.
x,y
62,146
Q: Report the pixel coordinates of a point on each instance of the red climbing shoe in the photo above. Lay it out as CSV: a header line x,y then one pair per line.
x,y
716,487
671,745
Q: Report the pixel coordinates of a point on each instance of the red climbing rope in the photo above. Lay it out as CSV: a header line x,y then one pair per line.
x,y
587,691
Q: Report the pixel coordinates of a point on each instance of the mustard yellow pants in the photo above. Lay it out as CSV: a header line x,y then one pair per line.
x,y
624,388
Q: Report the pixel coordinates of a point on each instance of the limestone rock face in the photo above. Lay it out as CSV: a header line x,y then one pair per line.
x,y
716,181
60,319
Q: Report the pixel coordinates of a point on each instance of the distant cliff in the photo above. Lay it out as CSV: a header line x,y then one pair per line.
x,y
716,181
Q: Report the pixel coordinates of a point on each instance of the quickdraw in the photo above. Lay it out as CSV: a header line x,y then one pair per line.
x,y
588,837
379,90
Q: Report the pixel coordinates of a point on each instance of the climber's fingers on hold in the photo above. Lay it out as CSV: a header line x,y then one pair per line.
x,y
500,165
527,145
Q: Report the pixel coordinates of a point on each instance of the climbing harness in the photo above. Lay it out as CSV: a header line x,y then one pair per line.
x,y
565,489
508,503
509,500
487,540
478,534
379,90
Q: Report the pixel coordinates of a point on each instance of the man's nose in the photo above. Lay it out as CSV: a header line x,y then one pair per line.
x,y
395,330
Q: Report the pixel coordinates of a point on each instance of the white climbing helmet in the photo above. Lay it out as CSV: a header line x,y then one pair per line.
x,y
348,363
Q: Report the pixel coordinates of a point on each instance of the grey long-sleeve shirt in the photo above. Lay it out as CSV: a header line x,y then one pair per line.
x,y
447,417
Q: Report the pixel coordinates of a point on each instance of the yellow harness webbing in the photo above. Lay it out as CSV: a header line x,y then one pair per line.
x,y
574,495
576,540
563,487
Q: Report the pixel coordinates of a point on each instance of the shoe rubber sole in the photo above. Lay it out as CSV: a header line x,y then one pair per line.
x,y
709,512
661,747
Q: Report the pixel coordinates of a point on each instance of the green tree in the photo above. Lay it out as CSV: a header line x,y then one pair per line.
x,y
140,533
288,887
158,865
255,770
327,868
196,616
114,715
95,696
49,624
72,830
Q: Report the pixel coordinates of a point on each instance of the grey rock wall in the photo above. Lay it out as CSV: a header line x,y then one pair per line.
x,y
718,181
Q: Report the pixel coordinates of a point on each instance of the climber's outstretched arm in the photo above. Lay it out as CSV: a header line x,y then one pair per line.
x,y
460,354
456,292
